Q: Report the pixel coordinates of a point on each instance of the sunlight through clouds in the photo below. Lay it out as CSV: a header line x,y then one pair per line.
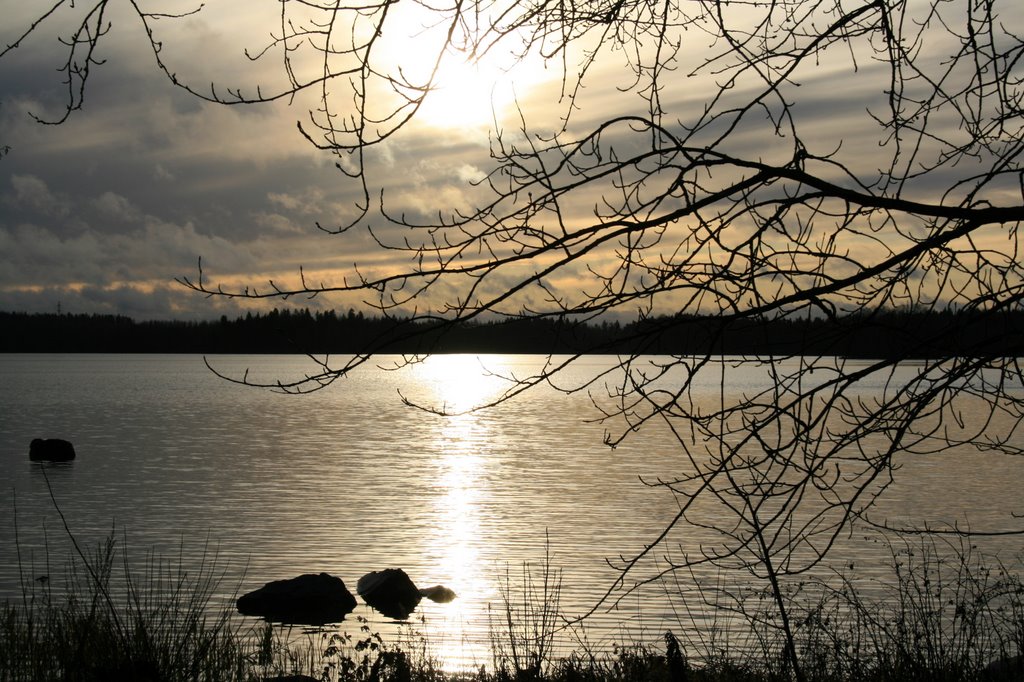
x,y
467,91
478,94
142,152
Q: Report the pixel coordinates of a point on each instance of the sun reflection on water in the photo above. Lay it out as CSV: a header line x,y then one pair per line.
x,y
458,383
460,488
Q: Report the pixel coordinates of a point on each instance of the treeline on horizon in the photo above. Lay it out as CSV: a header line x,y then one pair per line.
x,y
882,334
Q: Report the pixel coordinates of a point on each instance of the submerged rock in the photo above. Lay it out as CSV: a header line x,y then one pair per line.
x,y
51,450
308,599
390,591
1007,669
438,593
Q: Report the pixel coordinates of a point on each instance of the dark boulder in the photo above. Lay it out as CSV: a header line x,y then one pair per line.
x,y
309,599
1006,669
50,450
438,593
390,591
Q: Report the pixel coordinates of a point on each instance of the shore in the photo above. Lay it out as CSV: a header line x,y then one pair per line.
x,y
945,617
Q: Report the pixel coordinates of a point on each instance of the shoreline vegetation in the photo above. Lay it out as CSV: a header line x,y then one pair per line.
x,y
943,613
891,334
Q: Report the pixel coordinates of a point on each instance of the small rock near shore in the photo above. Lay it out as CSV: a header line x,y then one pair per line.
x,y
438,593
391,592
51,450
308,599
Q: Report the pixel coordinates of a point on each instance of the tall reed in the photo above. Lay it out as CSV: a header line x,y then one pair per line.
x,y
524,625
941,611
111,621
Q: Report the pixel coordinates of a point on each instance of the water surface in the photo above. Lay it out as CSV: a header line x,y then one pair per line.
x,y
350,479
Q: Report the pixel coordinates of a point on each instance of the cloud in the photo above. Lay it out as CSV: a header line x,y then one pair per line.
x,y
161,174
146,179
30,192
117,206
140,303
279,224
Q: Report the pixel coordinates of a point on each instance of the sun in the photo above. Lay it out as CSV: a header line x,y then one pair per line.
x,y
472,93
460,89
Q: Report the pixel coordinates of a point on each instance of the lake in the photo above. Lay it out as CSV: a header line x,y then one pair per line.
x,y
349,480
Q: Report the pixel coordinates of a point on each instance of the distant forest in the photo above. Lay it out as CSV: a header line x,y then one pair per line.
x,y
899,334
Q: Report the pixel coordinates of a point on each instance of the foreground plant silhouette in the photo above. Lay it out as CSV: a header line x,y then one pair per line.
x,y
942,612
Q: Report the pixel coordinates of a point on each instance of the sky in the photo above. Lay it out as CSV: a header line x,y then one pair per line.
x,y
101,213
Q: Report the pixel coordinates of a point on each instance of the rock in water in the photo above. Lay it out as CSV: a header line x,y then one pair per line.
x,y
390,591
51,450
438,593
1008,669
308,599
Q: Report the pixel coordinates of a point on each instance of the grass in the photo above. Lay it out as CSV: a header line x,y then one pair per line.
x,y
942,613
109,624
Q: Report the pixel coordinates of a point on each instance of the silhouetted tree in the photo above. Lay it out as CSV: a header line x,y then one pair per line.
x,y
736,200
